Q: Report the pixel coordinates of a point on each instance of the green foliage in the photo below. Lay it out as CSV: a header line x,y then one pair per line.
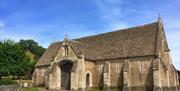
x,y
31,66
16,61
13,61
30,54
33,47
34,51
28,44
7,82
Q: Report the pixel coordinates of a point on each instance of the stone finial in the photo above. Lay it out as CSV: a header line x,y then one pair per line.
x,y
66,36
159,18
66,39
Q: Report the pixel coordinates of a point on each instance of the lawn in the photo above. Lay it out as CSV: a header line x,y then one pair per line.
x,y
94,89
36,89
31,89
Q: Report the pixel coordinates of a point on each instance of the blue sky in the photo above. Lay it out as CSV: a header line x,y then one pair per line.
x,y
46,21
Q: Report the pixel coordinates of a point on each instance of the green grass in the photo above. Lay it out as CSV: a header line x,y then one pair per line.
x,y
95,89
92,89
31,89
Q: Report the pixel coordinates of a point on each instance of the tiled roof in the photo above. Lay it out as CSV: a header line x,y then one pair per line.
x,y
130,42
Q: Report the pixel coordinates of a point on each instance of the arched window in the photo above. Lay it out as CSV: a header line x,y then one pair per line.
x,y
65,50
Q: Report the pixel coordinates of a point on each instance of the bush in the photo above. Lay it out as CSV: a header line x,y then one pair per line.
x,y
7,82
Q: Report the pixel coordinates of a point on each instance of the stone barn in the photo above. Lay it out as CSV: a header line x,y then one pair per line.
x,y
136,57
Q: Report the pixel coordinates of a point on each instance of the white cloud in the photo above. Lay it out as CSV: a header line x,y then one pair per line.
x,y
172,23
20,32
175,54
118,25
1,24
4,34
173,38
111,14
45,33
76,30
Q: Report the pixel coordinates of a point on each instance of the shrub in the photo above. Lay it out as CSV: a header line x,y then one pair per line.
x,y
7,82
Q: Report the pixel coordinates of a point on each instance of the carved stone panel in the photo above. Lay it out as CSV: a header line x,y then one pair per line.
x,y
106,74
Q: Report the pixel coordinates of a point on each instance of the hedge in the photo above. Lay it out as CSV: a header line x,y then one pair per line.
x,y
7,82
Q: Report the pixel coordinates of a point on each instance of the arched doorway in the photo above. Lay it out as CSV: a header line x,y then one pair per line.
x,y
66,67
87,80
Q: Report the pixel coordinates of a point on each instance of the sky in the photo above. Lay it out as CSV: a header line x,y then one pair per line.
x,y
47,21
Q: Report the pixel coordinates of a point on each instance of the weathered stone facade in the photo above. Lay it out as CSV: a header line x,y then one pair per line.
x,y
10,87
140,59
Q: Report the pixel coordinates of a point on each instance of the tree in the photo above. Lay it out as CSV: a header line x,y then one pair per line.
x,y
13,58
13,61
33,47
28,44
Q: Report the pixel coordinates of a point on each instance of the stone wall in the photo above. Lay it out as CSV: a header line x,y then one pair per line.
x,y
10,88
90,69
40,75
98,82
140,72
168,75
55,70
116,75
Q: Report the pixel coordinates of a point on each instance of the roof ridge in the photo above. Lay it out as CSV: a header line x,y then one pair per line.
x,y
125,29
118,30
